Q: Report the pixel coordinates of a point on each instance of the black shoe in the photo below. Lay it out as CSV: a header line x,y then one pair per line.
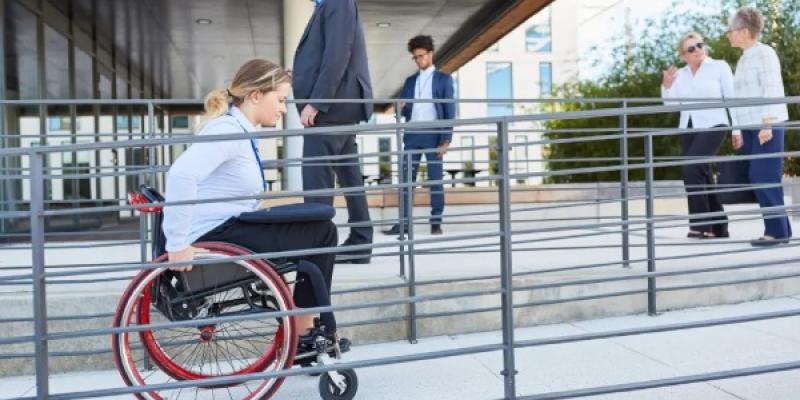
x,y
394,230
353,256
695,235
352,259
436,229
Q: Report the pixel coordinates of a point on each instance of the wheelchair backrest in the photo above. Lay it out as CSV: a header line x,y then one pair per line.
x,y
150,198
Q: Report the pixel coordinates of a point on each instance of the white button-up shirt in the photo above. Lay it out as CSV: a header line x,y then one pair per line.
x,y
758,74
713,79
423,89
211,170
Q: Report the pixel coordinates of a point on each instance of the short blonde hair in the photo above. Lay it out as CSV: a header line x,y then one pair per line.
x,y
747,18
690,35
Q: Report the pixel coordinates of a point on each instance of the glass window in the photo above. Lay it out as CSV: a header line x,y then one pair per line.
x,y
545,78
180,122
124,120
56,64
84,75
22,81
82,14
61,5
538,37
499,86
468,154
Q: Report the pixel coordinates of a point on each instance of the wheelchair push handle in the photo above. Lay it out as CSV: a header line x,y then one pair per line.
x,y
146,196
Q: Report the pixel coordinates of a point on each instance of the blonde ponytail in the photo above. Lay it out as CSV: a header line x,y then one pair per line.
x,y
254,75
216,104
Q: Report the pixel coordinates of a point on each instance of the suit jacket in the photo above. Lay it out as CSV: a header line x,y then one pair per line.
x,y
442,86
331,63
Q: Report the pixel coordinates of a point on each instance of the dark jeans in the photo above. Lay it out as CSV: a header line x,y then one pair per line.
x,y
434,166
323,174
765,171
269,238
698,178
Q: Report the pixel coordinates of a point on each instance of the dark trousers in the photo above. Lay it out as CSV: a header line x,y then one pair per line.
x,y
698,178
435,173
270,238
766,171
323,174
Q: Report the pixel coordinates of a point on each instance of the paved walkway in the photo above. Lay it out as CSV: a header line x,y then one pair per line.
x,y
561,367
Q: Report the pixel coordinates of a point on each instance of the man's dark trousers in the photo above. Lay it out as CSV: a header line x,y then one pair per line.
x,y
323,174
435,172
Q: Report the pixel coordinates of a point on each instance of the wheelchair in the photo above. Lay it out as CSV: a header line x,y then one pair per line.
x,y
236,343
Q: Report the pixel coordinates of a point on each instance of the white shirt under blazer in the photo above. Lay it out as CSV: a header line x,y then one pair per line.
x,y
713,79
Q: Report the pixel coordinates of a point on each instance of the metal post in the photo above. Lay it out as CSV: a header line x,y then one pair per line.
x,y
412,277
39,284
509,370
623,151
398,117
651,240
151,127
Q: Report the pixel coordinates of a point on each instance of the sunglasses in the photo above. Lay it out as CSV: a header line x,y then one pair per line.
x,y
692,48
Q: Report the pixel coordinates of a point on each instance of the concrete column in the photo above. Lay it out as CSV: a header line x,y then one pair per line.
x,y
296,14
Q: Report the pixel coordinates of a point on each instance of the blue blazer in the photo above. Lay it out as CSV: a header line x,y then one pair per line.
x,y
442,86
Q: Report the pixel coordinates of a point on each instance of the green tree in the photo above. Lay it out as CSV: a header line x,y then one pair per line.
x,y
635,72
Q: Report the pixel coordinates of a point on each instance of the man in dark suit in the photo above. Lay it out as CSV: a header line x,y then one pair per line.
x,y
428,83
331,63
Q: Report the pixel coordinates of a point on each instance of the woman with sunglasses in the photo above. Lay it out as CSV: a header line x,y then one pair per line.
x,y
702,77
758,75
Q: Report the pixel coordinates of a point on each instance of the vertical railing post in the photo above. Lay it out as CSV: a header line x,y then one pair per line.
x,y
38,273
649,211
412,277
506,271
623,173
151,128
398,118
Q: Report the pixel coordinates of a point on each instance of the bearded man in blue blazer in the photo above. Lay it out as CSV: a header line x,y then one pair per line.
x,y
427,83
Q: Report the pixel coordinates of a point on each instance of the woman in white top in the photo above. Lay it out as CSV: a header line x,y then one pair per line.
x,y
225,169
758,75
702,77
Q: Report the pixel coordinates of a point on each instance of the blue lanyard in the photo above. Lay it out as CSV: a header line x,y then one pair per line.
x,y
254,146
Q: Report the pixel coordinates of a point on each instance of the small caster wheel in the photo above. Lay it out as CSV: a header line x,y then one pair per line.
x,y
344,387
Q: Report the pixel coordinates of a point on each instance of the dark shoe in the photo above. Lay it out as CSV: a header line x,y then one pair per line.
x,y
436,229
353,256
394,230
766,241
352,259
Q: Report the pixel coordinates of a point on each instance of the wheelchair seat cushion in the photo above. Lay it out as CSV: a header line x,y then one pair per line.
x,y
300,212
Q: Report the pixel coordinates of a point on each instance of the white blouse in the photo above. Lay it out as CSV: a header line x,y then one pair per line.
x,y
713,80
211,170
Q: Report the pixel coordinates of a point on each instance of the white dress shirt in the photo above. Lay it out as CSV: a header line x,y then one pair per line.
x,y
758,74
713,79
208,171
423,89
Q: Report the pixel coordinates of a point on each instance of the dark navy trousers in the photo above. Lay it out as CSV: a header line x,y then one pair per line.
x,y
435,173
766,171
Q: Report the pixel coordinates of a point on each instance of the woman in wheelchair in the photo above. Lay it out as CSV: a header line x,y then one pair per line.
x,y
219,170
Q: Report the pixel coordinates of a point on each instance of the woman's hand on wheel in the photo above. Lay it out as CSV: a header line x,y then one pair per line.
x,y
186,254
